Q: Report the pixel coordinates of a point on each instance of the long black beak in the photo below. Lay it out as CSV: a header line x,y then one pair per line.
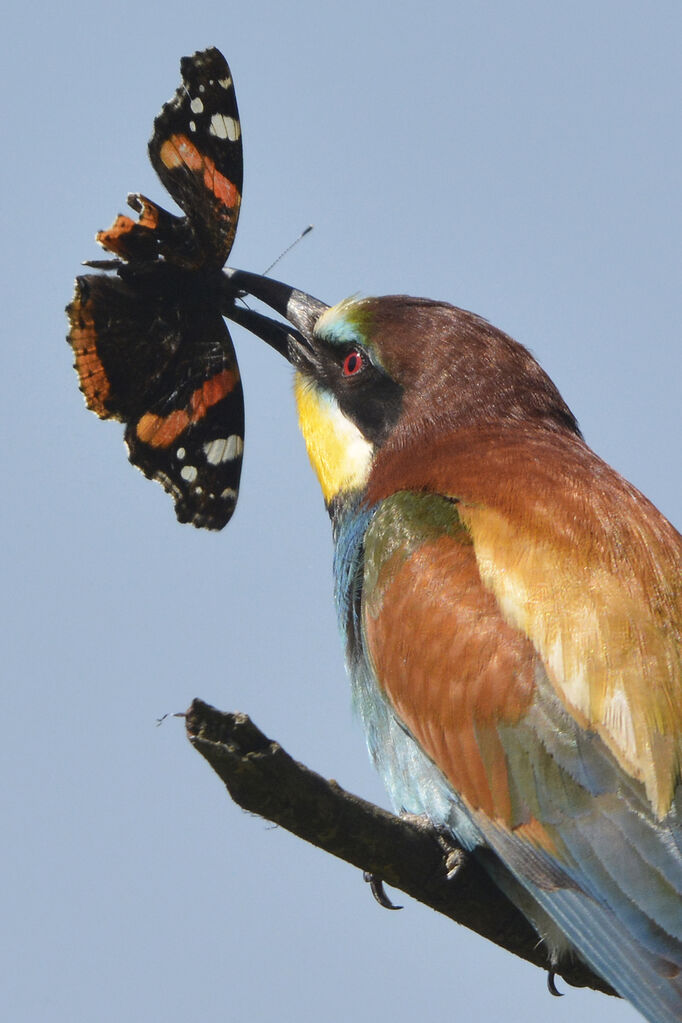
x,y
302,312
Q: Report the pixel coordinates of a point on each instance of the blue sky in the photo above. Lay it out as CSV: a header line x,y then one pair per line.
x,y
518,159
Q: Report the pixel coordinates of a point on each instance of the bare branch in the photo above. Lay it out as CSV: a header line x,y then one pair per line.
x,y
408,854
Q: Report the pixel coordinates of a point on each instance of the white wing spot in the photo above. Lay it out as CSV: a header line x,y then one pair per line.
x,y
196,105
223,449
225,83
224,127
180,453
192,126
228,494
189,473
235,446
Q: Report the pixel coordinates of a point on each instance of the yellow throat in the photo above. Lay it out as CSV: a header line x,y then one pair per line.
x,y
339,453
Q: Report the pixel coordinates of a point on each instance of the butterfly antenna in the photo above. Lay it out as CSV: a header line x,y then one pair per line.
x,y
274,263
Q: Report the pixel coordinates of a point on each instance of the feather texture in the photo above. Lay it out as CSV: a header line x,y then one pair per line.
x,y
528,639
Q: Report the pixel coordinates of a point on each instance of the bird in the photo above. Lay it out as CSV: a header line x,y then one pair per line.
x,y
511,609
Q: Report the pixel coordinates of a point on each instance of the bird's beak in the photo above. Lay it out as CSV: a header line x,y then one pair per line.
x,y
300,310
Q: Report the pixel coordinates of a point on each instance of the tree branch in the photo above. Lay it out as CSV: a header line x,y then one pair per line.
x,y
406,853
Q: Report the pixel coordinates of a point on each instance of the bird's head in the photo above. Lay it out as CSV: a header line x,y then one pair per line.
x,y
398,371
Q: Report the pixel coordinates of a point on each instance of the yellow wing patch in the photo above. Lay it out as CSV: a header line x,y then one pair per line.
x,y
609,637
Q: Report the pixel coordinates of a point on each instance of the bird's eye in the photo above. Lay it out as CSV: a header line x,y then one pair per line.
x,y
353,363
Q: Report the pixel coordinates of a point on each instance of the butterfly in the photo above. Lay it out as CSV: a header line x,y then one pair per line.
x,y
151,347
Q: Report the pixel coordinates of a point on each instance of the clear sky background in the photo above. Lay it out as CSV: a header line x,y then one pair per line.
x,y
518,159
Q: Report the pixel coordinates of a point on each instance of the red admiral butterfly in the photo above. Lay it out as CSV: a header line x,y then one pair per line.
x,y
151,347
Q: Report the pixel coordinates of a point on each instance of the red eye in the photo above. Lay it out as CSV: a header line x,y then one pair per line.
x,y
353,363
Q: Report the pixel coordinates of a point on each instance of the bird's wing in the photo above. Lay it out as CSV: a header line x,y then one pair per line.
x,y
585,568
522,611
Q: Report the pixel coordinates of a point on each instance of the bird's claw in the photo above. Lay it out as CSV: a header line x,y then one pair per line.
x,y
551,984
377,887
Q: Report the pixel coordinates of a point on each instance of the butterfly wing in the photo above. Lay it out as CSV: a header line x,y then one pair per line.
x,y
151,347
196,150
177,390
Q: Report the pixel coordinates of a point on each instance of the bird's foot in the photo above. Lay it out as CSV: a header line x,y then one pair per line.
x,y
454,857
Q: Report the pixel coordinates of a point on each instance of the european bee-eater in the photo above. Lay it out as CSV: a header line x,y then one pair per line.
x,y
512,614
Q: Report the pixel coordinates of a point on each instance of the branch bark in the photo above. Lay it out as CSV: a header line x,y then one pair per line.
x,y
408,854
